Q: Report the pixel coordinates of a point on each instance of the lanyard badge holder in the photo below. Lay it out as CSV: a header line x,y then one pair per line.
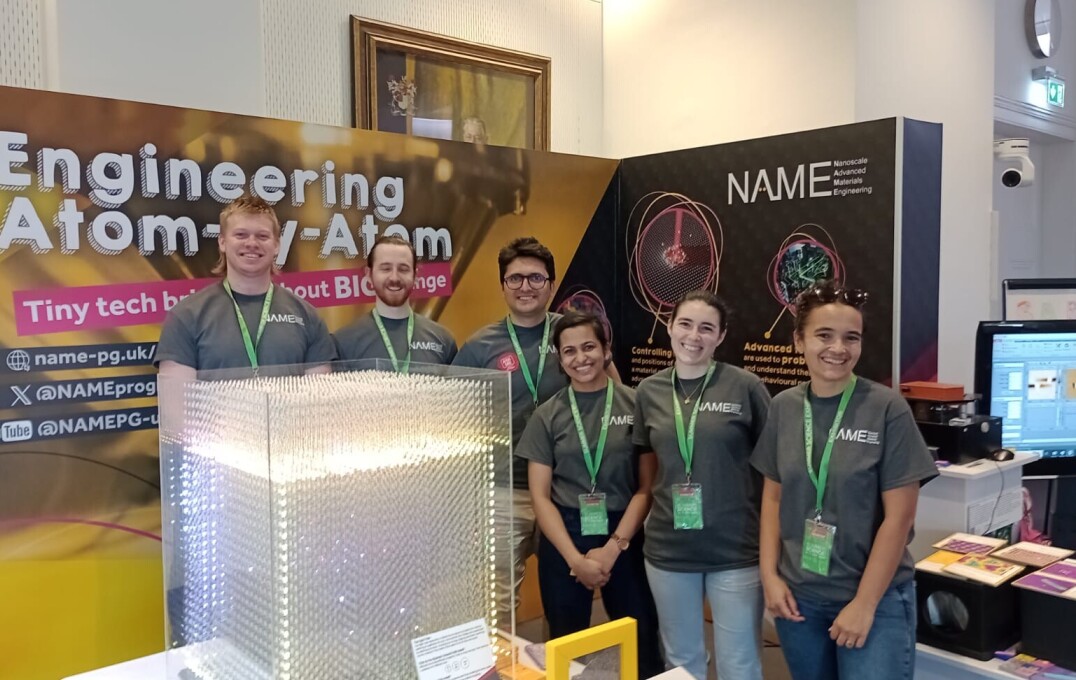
x,y
250,345
818,536
397,366
532,383
687,498
593,514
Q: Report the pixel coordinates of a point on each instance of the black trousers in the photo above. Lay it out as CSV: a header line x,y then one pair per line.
x,y
567,603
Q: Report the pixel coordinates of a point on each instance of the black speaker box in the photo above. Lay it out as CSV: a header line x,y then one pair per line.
x,y
1049,624
965,617
960,444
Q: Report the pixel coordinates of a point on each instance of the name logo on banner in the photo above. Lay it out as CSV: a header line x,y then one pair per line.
x,y
820,179
16,431
860,436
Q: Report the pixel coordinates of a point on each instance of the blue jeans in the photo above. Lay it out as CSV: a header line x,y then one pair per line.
x,y
736,603
888,655
567,603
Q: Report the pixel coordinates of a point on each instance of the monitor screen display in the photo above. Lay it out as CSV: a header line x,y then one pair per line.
x,y
1026,374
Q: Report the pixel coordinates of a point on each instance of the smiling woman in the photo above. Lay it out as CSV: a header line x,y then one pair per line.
x,y
702,419
843,601
591,491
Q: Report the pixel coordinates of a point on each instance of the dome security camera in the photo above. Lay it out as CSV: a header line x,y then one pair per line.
x,y
1015,150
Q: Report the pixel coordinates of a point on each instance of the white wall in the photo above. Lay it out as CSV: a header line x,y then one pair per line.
x,y
285,58
1019,246
1059,211
201,54
908,56
686,73
1019,100
20,44
1037,228
308,54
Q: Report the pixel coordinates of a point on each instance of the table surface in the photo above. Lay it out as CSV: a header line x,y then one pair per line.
x,y
985,466
956,666
155,667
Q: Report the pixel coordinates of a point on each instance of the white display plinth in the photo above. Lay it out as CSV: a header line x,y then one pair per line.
x,y
315,523
153,667
975,498
159,667
932,663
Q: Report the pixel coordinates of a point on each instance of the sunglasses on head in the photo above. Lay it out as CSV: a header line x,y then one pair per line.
x,y
853,297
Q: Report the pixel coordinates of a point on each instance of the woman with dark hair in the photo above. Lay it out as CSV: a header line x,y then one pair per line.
x,y
702,419
591,492
843,462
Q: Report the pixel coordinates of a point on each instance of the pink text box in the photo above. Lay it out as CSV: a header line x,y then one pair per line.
x,y
58,310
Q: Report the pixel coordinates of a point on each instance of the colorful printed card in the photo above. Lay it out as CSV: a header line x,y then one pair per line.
x,y
1064,569
970,543
1032,554
988,570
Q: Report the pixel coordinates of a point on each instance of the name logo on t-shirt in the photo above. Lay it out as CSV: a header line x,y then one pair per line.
x,y
428,346
722,407
621,420
286,318
860,436
507,362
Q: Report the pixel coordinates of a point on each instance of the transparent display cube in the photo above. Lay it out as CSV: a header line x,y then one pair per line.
x,y
314,524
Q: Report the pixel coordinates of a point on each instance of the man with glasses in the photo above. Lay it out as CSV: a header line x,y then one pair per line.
x,y
392,330
521,344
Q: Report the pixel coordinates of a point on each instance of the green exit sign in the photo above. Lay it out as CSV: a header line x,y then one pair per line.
x,y
1055,92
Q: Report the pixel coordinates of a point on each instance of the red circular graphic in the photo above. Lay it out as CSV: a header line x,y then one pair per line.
x,y
508,361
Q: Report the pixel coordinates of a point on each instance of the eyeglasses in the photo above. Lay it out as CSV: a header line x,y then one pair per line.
x,y
515,281
853,297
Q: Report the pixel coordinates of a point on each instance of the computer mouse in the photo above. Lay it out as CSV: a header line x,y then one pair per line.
x,y
1001,455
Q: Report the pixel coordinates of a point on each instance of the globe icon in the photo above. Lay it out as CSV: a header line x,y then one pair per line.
x,y
18,360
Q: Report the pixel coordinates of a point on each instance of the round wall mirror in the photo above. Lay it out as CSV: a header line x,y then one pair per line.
x,y
1042,23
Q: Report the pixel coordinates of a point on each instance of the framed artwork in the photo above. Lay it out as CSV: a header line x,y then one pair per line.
x,y
430,85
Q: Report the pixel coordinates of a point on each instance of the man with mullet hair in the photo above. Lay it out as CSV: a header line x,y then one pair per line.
x,y
392,330
244,321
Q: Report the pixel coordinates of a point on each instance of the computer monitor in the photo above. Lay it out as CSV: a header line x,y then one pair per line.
x,y
1026,374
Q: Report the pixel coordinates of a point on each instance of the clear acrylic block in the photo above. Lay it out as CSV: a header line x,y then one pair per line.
x,y
314,524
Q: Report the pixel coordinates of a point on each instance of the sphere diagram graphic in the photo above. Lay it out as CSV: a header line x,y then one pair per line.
x,y
806,256
583,299
674,246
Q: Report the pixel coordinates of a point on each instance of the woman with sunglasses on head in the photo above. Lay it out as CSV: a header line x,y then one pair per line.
x,y
590,489
843,462
702,419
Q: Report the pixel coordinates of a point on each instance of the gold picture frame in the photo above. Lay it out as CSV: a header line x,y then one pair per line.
x,y
431,85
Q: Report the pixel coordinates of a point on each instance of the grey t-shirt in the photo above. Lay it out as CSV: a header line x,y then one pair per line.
x,y
203,333
491,347
731,417
430,344
552,439
878,448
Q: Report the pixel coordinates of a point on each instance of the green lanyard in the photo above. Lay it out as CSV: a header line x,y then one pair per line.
x,y
532,383
687,440
595,462
251,347
819,480
388,343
